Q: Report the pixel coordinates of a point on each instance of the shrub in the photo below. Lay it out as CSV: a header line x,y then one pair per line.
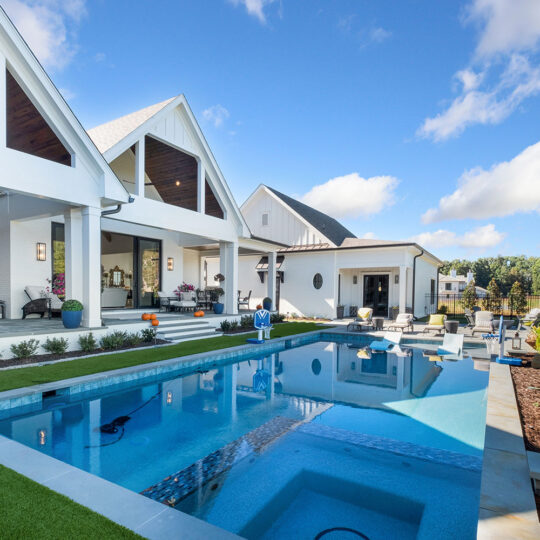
x,y
469,298
115,340
56,345
234,325
72,305
133,339
148,335
442,310
493,300
246,321
225,325
87,342
277,318
25,349
517,299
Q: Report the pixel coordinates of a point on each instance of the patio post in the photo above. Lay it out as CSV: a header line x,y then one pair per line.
x,y
201,188
2,100
228,266
402,288
73,254
91,255
272,255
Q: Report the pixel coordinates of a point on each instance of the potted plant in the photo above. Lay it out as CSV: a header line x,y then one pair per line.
x,y
267,304
72,313
218,306
340,311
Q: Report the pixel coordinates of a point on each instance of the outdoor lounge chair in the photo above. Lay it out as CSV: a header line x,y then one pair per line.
x,y
243,301
41,302
452,345
531,317
362,320
166,302
185,302
436,323
483,322
470,318
389,341
403,321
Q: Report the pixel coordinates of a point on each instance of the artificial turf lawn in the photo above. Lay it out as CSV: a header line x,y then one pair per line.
x,y
21,377
30,510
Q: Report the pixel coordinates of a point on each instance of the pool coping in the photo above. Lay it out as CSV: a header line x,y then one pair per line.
x,y
507,507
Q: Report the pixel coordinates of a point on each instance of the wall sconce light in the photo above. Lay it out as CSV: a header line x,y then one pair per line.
x,y
42,437
516,342
169,397
396,279
170,264
355,280
41,251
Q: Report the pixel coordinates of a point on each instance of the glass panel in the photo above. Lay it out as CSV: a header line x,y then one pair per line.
x,y
149,265
58,260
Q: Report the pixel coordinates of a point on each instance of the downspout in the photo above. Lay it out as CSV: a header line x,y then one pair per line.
x,y
414,276
117,209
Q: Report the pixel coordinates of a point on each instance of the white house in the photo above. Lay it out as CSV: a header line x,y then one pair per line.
x,y
455,284
121,212
323,265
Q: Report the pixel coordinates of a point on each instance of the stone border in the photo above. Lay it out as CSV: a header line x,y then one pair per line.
x,y
507,506
142,515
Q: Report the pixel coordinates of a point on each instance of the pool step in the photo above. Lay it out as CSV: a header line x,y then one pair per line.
x,y
182,330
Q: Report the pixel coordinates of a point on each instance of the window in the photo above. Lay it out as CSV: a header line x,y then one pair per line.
x,y
432,292
317,281
265,219
447,286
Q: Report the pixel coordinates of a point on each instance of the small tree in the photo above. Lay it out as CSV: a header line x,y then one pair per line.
x,y
517,299
493,300
469,298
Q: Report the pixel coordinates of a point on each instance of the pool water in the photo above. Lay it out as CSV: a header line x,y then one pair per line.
x,y
264,428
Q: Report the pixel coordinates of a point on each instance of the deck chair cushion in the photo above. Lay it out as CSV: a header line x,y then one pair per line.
x,y
436,320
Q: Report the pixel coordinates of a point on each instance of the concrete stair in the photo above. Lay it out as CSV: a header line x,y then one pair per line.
x,y
185,329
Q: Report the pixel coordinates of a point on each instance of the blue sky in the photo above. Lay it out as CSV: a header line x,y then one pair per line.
x,y
403,119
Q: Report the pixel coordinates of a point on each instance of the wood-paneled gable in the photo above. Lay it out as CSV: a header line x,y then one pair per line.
x,y
211,204
27,130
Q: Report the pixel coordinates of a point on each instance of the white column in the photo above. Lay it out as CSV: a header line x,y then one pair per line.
x,y
402,288
2,101
228,266
139,167
272,273
91,255
201,188
73,253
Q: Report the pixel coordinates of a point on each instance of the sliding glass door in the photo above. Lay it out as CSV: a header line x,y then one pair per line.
x,y
376,294
148,265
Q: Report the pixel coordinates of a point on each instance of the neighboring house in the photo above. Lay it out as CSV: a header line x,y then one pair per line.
x,y
324,265
123,212
455,284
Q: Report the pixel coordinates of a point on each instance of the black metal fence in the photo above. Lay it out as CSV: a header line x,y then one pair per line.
x,y
455,307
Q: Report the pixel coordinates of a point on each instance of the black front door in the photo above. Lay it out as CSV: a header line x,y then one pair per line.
x,y
376,294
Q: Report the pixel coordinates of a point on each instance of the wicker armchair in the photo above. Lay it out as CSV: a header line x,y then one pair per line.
x,y
41,302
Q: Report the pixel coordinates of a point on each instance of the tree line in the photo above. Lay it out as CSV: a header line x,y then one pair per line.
x,y
505,271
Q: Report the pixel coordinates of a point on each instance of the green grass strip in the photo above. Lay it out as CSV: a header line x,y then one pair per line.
x,y
21,377
30,510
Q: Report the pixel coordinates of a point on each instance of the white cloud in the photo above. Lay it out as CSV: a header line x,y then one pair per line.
x,y
479,238
509,33
369,236
217,114
48,27
508,25
508,187
255,8
366,35
352,196
378,34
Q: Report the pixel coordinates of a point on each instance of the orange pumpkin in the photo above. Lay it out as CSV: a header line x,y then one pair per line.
x,y
199,314
153,317
145,316
259,306
155,322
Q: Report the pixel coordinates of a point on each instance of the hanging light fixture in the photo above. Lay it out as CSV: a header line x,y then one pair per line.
x,y
170,264
41,251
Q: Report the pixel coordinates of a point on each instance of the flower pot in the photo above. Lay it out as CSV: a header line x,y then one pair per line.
x,y
340,312
71,319
218,308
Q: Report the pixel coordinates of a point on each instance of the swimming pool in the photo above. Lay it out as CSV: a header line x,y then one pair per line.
x,y
327,426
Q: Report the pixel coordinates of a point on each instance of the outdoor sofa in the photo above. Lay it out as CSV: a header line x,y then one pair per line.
x,y
436,323
404,321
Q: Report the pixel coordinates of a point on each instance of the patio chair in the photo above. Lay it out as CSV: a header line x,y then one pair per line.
x,y
243,301
186,302
403,322
452,345
389,341
436,323
203,299
41,302
530,318
166,302
483,322
362,320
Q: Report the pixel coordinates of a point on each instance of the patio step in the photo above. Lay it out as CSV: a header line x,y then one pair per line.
x,y
182,330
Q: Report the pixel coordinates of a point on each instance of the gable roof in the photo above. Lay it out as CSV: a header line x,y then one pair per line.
x,y
326,225
107,135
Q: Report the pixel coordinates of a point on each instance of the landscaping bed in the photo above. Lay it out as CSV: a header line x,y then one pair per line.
x,y
527,388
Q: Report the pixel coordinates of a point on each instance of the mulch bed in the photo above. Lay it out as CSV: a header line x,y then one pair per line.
x,y
527,387
38,358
